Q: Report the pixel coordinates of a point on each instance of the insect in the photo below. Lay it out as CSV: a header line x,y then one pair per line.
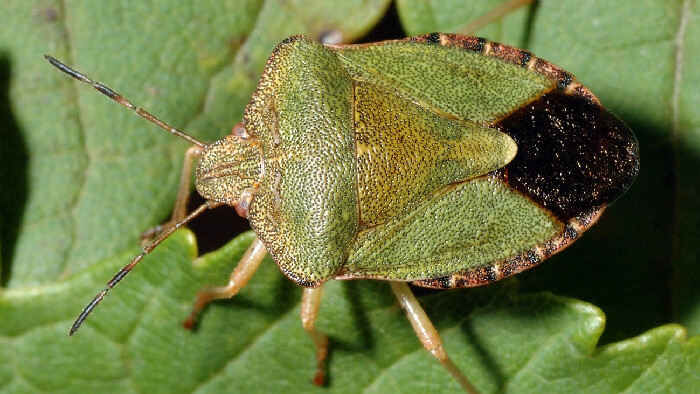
x,y
439,160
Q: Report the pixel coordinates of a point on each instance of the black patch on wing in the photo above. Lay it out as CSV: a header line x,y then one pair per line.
x,y
573,155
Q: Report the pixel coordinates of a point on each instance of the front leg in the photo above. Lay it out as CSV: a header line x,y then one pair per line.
x,y
239,278
183,194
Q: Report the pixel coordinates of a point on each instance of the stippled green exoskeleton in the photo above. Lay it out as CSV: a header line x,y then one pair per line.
x,y
439,160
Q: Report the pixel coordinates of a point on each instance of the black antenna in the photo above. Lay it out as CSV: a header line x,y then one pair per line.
x,y
168,231
121,100
127,268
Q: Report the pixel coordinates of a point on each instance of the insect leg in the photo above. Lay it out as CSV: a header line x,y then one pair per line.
x,y
427,333
493,15
183,193
238,279
310,302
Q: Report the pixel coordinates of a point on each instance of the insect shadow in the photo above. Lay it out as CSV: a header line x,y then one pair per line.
x,y
13,175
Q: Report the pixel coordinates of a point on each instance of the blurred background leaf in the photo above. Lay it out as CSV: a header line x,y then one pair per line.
x,y
81,178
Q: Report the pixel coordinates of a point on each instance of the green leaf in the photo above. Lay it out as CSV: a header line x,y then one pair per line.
x,y
81,178
134,341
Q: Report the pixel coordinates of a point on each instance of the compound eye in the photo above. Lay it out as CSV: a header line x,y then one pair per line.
x,y
242,205
240,131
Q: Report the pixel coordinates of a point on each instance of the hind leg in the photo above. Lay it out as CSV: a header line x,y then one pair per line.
x,y
427,333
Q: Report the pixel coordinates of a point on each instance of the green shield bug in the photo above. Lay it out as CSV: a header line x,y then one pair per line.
x,y
439,160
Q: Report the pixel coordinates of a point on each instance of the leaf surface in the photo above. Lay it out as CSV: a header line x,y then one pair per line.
x,y
82,178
